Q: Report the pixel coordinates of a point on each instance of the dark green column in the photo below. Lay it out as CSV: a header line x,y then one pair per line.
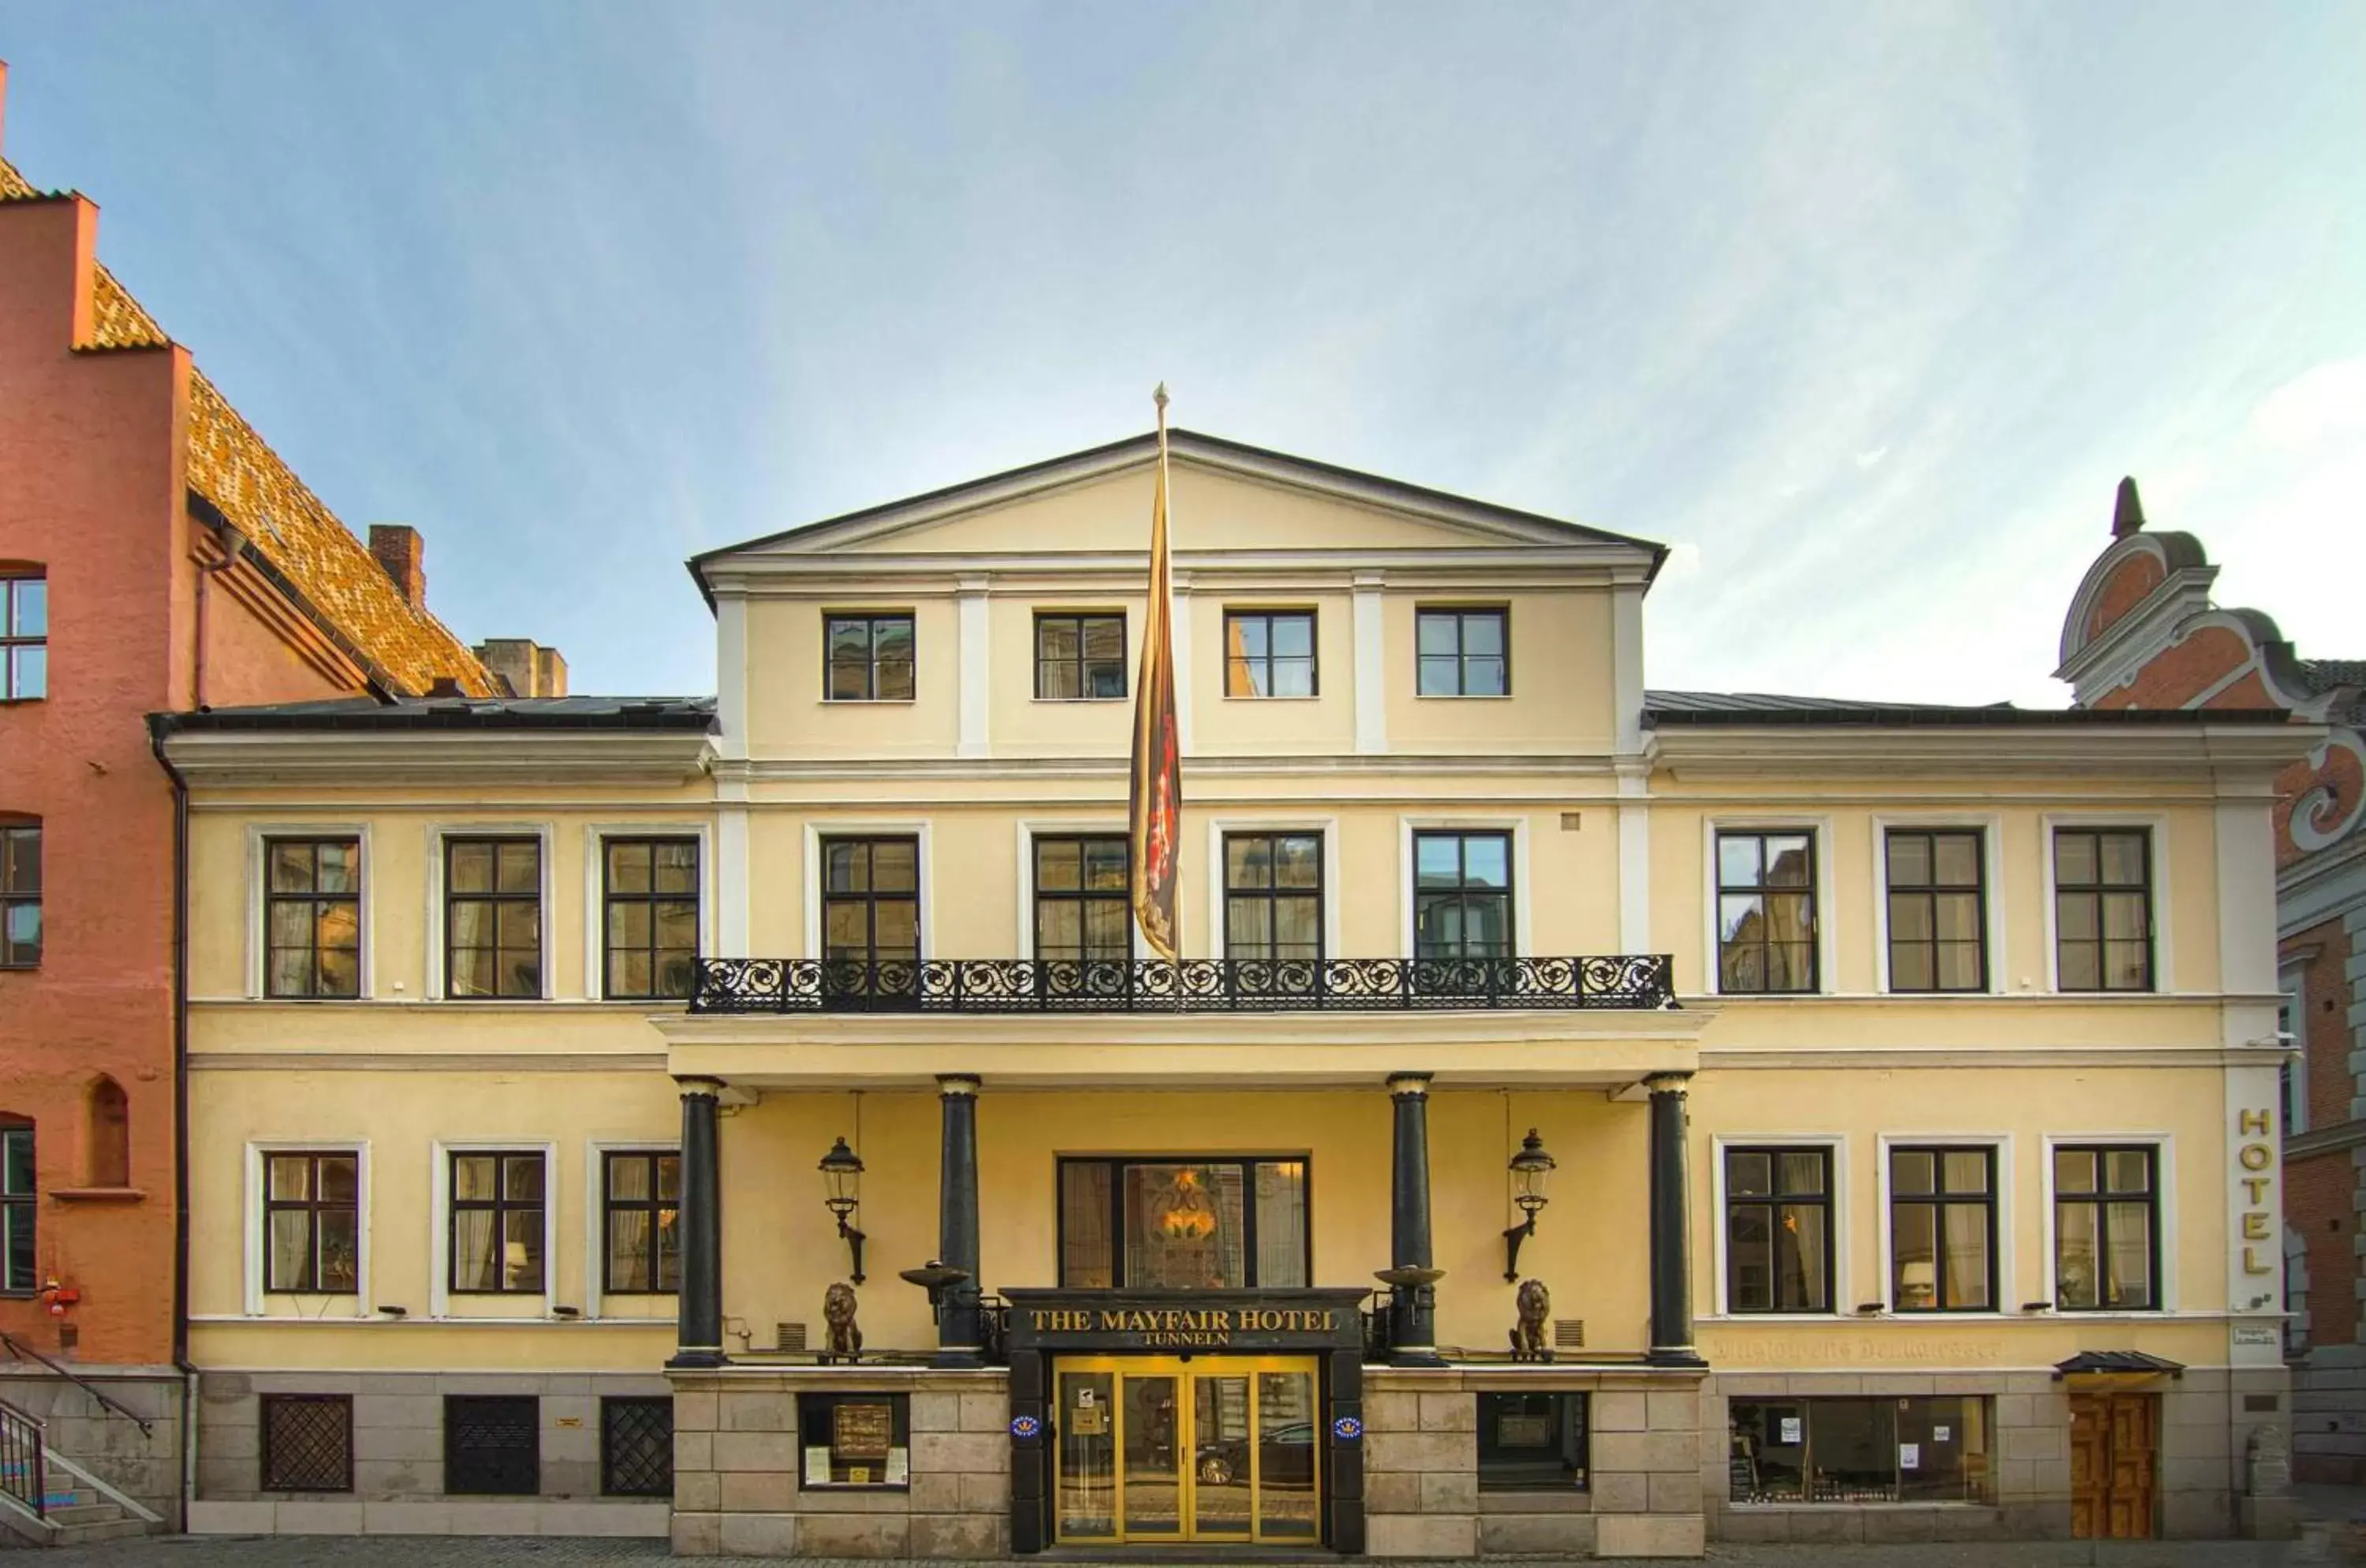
x,y
699,1314
1413,1298
961,1330
1672,1271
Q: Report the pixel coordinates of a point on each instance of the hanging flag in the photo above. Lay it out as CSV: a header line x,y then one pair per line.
x,y
1155,821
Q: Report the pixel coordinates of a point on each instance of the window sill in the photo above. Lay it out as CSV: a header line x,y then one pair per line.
x,y
1462,696
868,702
1309,698
1078,702
99,1194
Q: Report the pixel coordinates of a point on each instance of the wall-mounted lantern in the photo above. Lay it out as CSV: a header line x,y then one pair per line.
x,y
1530,1168
841,1182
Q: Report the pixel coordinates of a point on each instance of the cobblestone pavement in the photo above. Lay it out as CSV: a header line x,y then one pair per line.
x,y
2317,1549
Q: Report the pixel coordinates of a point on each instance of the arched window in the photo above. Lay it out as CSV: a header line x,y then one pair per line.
x,y
110,1112
16,1204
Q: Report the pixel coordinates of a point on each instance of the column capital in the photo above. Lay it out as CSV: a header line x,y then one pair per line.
x,y
1666,1083
1409,1085
708,1087
957,1083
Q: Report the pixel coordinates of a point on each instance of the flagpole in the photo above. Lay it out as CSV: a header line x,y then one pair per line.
x,y
1154,791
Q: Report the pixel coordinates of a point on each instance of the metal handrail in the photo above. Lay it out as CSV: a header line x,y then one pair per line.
x,y
1616,981
23,1450
18,1347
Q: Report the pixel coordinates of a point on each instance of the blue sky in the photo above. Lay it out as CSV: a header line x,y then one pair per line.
x,y
1865,309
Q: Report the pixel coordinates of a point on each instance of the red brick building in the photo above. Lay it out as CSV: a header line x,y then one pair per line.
x,y
154,554
2143,633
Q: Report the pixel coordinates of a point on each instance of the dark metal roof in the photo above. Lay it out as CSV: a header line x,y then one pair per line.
x,y
2327,674
1668,709
691,714
2125,1361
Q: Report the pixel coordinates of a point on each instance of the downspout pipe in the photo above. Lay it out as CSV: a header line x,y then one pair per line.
x,y
156,731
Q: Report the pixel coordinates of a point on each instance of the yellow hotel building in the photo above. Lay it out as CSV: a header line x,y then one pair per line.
x,y
1586,1120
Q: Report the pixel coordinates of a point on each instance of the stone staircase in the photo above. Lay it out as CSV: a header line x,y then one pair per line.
x,y
81,1517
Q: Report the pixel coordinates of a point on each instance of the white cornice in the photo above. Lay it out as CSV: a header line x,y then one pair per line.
x,y
941,573
2134,750
2011,1059
1484,522
253,757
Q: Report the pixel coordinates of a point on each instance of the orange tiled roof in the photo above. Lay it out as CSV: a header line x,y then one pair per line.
x,y
248,482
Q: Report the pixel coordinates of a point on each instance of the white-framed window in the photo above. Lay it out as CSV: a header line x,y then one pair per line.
x,y
1931,871
1266,859
632,1224
495,1247
640,881
308,920
1075,890
2110,1223
1770,1262
307,1226
1463,887
1946,1223
2107,929
1769,928
489,897
2292,1023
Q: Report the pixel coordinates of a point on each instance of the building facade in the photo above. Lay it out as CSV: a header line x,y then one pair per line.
x,y
1583,1120
2143,633
154,554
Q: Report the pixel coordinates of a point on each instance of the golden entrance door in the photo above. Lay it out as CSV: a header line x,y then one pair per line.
x,y
2114,1449
1158,1449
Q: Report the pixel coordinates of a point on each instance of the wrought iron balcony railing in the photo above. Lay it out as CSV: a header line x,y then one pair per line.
x,y
1196,985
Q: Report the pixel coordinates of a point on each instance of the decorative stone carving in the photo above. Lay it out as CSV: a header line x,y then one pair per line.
x,y
838,1310
1528,1335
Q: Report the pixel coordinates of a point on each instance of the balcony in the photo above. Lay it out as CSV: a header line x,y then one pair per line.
x,y
1627,982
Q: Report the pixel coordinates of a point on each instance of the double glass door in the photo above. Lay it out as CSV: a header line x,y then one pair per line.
x,y
1215,1449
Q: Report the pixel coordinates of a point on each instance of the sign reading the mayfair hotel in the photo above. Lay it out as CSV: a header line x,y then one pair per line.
x,y
1079,1320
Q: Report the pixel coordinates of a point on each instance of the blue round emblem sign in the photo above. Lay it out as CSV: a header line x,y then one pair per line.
x,y
1025,1425
1347,1428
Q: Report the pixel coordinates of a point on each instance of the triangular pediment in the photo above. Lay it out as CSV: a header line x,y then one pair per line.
x,y
1226,497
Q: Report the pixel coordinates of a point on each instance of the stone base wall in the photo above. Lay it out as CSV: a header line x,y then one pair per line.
x,y
736,1469
2328,1424
397,1469
1421,1466
145,1467
2206,1427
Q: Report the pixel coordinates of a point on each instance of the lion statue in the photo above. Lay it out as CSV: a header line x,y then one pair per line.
x,y
838,1310
1528,1335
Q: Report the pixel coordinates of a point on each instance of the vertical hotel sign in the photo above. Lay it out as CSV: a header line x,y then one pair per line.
x,y
1154,822
2255,1271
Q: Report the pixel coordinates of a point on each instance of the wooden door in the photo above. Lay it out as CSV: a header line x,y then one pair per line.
x,y
2114,1456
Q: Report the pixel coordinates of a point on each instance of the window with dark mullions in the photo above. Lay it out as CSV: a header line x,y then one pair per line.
x,y
644,1192
1083,899
1462,895
1184,1222
1766,911
1463,653
1937,910
312,1222
1079,658
23,639
2107,1228
2102,908
1778,1230
20,896
492,919
869,658
313,918
497,1223
1273,896
650,898
1269,653
871,899
1942,1230
19,1206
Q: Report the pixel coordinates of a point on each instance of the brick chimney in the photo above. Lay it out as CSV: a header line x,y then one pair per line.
x,y
398,549
525,666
